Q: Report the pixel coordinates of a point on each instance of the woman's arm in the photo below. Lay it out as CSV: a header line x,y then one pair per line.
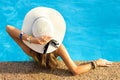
x,y
61,51
16,33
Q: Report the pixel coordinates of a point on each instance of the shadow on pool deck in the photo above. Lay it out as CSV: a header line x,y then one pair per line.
x,y
31,71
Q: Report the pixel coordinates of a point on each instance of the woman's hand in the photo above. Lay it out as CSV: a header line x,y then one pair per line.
x,y
103,63
41,40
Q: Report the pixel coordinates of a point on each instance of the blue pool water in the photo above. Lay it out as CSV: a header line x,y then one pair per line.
x,y
93,27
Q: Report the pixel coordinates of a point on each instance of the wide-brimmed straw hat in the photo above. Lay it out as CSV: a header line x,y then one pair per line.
x,y
44,21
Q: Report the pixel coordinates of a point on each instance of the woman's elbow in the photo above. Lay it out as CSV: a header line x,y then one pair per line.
x,y
75,72
9,28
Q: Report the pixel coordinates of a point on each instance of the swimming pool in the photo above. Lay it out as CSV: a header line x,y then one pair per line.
x,y
93,27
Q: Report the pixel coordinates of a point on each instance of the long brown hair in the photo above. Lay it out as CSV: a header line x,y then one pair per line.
x,y
48,60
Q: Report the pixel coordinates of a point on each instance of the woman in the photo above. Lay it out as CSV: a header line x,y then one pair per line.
x,y
61,51
50,60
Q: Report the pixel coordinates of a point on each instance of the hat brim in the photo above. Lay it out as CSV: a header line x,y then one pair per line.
x,y
57,20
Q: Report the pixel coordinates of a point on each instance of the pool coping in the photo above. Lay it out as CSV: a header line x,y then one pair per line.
x,y
31,71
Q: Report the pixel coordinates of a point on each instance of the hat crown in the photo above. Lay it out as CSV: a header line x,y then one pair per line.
x,y
42,26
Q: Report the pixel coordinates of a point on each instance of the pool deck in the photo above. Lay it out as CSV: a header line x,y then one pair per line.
x,y
31,71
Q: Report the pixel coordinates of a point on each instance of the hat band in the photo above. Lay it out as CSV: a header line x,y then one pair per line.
x,y
53,42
